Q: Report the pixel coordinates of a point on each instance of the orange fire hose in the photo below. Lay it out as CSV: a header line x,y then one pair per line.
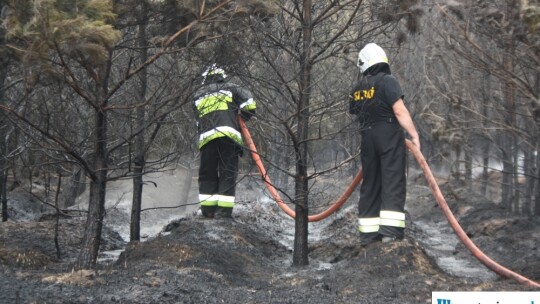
x,y
312,218
476,252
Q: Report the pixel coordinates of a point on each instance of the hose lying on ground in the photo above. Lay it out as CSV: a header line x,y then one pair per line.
x,y
476,252
275,194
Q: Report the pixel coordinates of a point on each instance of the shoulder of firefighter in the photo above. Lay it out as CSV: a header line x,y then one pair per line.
x,y
247,103
217,106
365,90
360,93
224,97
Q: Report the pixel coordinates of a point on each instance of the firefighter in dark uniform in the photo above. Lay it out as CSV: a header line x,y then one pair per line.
x,y
377,99
217,104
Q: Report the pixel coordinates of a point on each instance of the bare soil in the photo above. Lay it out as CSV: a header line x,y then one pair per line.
x,y
249,259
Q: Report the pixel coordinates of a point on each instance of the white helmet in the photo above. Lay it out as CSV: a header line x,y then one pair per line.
x,y
370,55
214,70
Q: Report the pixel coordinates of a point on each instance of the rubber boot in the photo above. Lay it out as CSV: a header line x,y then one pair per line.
x,y
223,212
367,239
208,211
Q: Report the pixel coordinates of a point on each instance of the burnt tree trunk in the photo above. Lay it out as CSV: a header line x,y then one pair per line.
x,y
140,151
536,178
528,169
96,203
508,140
3,163
536,188
57,217
486,93
75,187
300,255
3,126
3,187
98,186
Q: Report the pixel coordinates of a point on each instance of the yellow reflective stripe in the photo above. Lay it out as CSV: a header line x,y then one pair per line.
x,y
218,132
225,201
208,200
369,221
225,198
213,102
368,229
367,225
393,218
214,71
393,223
218,93
393,215
248,105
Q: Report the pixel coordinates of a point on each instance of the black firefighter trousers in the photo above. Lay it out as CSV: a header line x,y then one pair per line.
x,y
217,176
382,194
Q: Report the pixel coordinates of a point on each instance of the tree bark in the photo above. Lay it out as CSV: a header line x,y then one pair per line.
x,y
98,187
140,151
508,141
486,93
3,155
96,204
3,189
57,217
468,167
300,255
536,119
537,178
456,166
528,169
3,124
74,188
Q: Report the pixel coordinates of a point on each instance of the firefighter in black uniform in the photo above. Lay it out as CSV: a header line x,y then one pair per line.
x,y
377,99
217,104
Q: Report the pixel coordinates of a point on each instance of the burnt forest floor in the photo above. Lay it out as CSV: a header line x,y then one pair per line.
x,y
249,259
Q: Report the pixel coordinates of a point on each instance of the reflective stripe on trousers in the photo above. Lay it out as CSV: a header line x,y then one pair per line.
x,y
216,200
386,218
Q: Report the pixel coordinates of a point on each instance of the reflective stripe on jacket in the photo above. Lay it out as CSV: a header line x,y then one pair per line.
x,y
217,106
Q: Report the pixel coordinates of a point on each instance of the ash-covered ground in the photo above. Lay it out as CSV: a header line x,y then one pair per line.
x,y
249,259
